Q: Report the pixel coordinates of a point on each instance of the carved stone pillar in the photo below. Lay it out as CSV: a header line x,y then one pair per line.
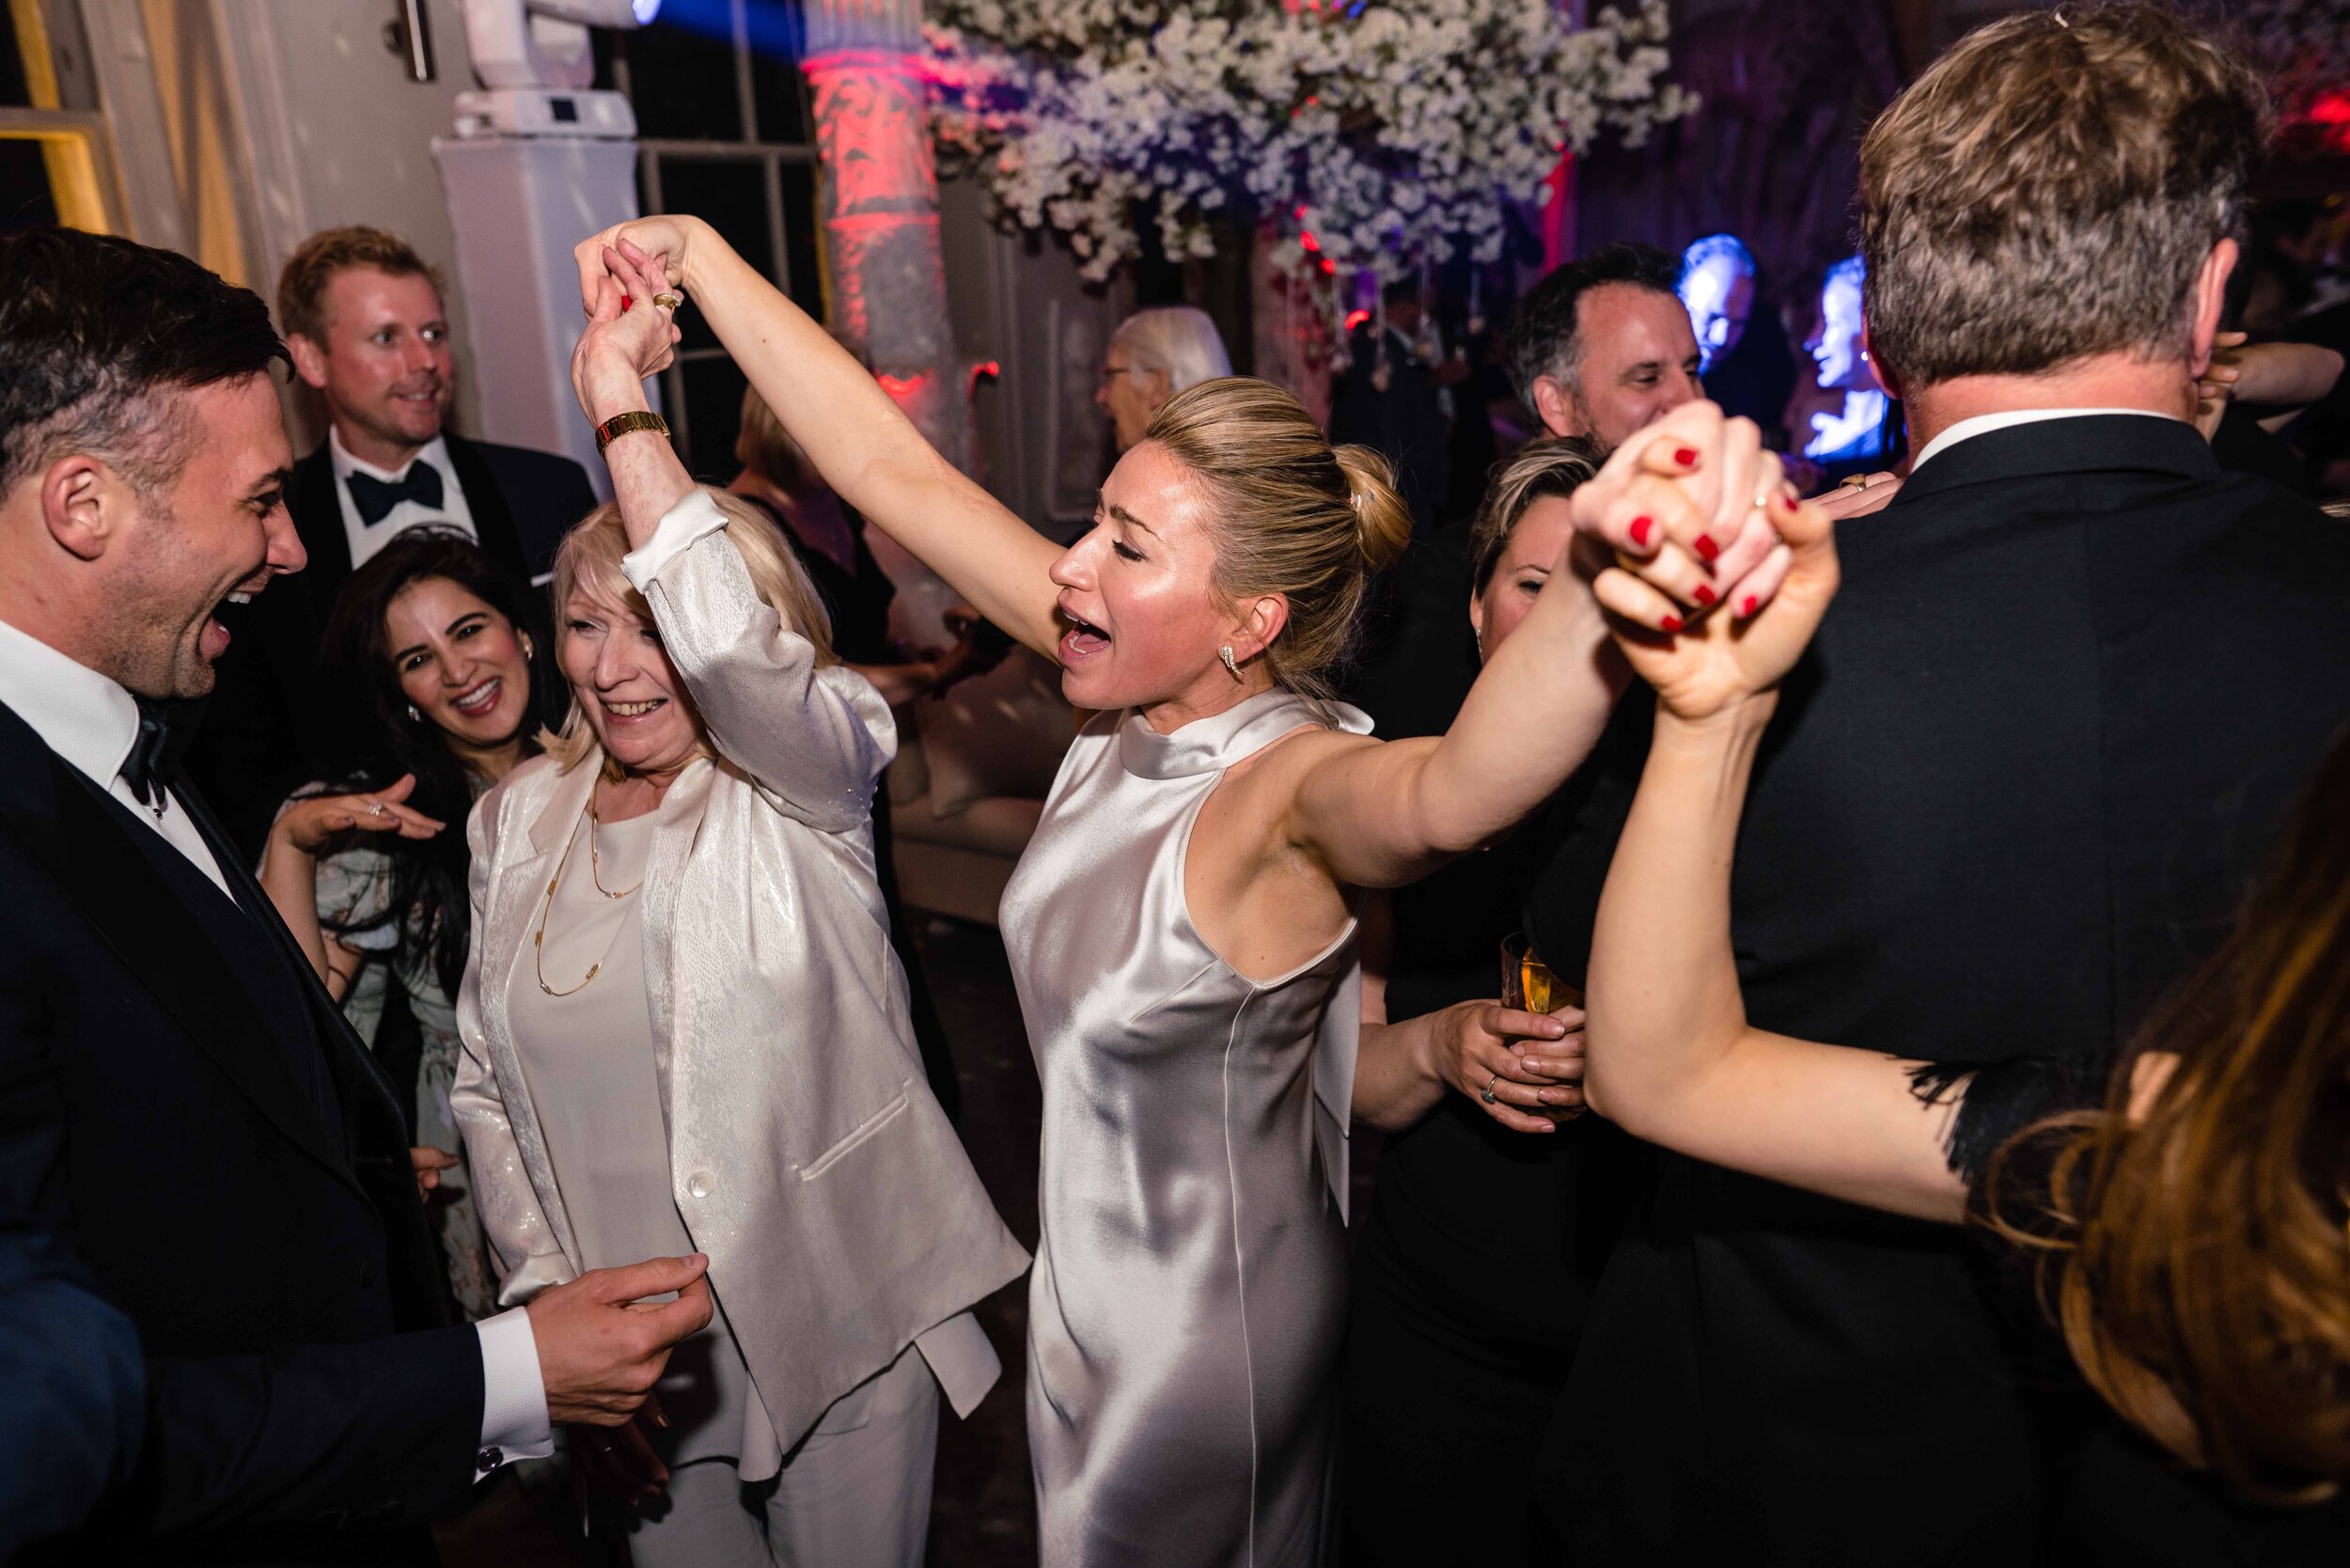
x,y
879,203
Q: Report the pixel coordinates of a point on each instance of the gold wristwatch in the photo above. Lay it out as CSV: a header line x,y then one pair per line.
x,y
636,419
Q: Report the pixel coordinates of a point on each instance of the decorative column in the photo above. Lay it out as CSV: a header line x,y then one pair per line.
x,y
879,202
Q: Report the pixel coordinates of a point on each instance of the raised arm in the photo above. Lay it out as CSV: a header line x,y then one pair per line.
x,y
813,735
867,449
1671,1055
1692,499
814,738
289,869
2277,379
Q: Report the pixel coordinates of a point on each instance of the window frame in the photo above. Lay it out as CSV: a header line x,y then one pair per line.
x,y
77,147
772,158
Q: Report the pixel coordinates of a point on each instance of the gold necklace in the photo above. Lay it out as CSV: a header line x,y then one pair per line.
x,y
546,910
595,859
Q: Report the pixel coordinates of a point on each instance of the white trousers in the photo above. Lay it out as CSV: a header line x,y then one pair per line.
x,y
855,1494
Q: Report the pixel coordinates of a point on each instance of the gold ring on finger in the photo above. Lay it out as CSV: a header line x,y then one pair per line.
x,y
1853,481
668,299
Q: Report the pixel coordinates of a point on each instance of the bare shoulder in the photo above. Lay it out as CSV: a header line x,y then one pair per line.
x,y
1265,783
1286,760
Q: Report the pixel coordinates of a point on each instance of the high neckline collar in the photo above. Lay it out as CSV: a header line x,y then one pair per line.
x,y
1209,744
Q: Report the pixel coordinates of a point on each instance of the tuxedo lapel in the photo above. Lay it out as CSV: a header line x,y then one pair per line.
x,y
354,1067
492,519
59,821
317,516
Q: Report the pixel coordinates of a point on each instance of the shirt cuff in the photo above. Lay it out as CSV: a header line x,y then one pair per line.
x,y
514,1424
694,518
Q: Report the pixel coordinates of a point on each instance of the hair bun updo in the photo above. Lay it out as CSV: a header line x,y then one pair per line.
x,y
1383,524
1292,516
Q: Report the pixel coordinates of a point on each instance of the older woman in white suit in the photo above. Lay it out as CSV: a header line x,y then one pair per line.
x,y
685,1030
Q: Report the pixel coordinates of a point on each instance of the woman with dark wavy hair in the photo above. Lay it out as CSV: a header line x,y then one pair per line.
x,y
428,644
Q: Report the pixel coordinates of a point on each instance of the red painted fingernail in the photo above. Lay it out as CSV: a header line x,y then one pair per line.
x,y
1670,623
1707,549
1746,606
1640,525
625,302
1704,595
1685,456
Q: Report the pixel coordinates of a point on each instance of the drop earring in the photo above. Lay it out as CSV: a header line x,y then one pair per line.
x,y
414,718
1225,653
529,651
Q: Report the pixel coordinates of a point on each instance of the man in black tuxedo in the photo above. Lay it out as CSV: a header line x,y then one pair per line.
x,y
1599,348
71,1365
181,1102
1391,402
2013,793
1602,346
363,315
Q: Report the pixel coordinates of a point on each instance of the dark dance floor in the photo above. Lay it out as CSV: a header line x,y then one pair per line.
x,y
983,1514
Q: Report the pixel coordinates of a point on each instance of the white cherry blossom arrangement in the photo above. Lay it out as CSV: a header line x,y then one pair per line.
x,y
1382,135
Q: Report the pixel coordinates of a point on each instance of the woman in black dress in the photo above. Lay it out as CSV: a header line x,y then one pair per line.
x,y
1489,1220
2185,1208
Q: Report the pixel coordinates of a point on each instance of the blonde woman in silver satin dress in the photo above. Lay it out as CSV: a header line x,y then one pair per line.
x,y
1182,928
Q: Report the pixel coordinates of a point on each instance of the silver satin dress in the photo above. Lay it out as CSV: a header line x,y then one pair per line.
x,y
1189,1291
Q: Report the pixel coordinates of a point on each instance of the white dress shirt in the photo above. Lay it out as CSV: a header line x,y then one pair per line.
x,y
91,722
1983,424
366,539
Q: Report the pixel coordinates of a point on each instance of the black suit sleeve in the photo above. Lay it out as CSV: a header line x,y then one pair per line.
x,y
316,1439
545,494
69,1364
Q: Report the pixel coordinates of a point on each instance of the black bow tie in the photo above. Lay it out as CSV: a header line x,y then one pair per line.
x,y
154,759
375,498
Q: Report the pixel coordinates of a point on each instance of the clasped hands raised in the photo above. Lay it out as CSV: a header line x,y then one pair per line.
x,y
1719,573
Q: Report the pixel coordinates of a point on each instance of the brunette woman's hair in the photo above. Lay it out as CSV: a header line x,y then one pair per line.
x,y
376,741
2191,1235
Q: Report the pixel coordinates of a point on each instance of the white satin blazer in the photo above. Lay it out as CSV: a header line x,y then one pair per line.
x,y
808,1158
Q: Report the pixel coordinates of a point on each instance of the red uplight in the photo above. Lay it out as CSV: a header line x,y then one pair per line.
x,y
1356,319
1307,240
1328,265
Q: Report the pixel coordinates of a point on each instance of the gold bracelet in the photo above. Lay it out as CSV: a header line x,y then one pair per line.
x,y
636,419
